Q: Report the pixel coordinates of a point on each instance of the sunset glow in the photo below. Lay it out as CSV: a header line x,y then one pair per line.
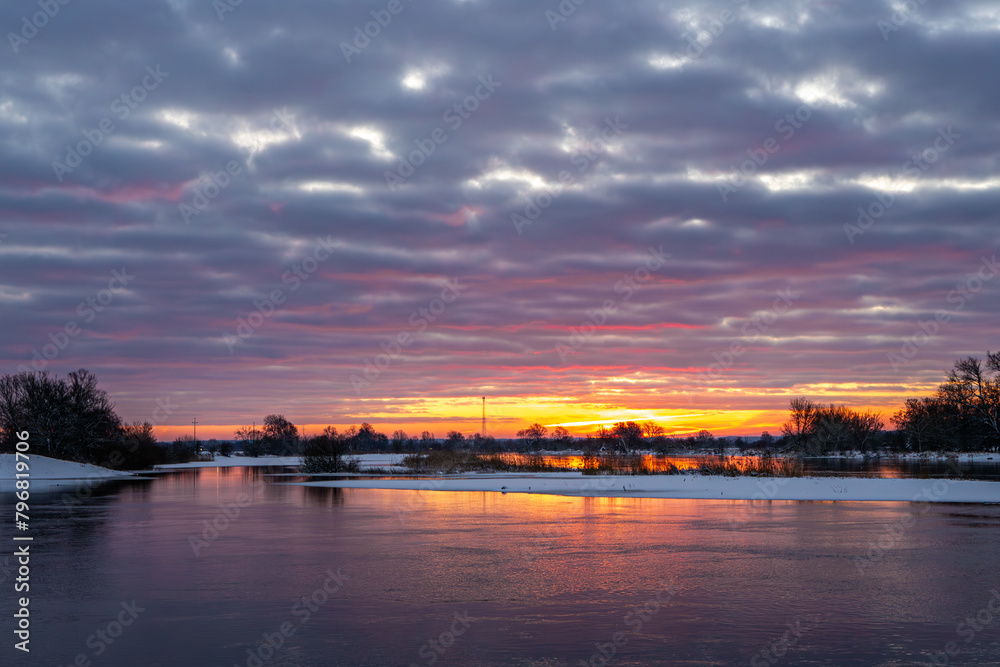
x,y
649,231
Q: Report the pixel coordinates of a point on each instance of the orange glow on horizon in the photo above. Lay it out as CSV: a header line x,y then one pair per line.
x,y
597,422
506,424
602,400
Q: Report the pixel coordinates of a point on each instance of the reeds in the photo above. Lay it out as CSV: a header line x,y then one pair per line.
x,y
451,462
636,464
445,462
762,466
623,464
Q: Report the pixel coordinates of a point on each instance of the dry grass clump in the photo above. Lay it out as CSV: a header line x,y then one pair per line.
x,y
636,464
451,462
764,466
622,464
448,463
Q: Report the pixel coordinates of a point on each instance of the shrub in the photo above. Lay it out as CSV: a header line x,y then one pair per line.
x,y
325,453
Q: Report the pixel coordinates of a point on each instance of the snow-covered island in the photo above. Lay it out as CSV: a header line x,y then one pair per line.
x,y
53,472
942,490
691,486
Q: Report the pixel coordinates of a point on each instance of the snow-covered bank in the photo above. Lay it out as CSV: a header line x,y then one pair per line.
x,y
233,462
366,460
699,486
48,472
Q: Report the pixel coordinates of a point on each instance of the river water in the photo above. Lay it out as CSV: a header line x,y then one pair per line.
x,y
132,576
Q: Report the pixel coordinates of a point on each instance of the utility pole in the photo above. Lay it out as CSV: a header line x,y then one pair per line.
x,y
483,432
195,422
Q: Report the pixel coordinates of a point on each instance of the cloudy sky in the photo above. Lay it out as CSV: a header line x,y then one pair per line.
x,y
382,211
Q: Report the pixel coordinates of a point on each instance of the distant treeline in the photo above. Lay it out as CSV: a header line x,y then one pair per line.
x,y
71,418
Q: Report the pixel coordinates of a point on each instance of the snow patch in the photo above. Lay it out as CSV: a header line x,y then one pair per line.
x,y
46,472
367,461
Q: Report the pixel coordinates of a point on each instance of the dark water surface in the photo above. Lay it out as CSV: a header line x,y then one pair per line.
x,y
496,579
987,470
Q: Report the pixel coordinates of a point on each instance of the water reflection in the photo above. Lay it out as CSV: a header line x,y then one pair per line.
x,y
323,496
545,577
886,467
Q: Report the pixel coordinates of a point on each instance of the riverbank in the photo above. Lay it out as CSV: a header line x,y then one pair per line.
x,y
44,472
365,460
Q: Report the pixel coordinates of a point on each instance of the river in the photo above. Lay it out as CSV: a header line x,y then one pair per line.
x,y
132,576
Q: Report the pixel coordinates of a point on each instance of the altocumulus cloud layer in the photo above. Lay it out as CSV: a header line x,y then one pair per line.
x,y
816,181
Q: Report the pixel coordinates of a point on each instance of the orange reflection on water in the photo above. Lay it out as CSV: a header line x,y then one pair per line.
x,y
651,462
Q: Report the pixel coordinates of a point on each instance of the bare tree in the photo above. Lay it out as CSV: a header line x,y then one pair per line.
x,y
652,430
864,427
976,386
561,435
534,435
399,440
280,435
251,440
802,421
916,420
628,435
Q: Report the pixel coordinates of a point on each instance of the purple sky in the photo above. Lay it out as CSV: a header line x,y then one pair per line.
x,y
623,134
